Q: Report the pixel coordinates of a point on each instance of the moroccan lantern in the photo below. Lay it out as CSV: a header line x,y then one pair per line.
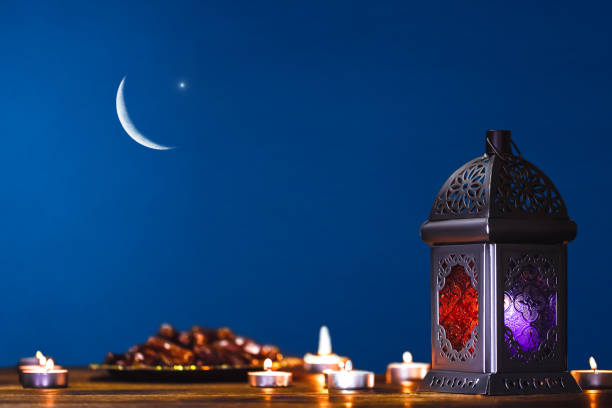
x,y
498,232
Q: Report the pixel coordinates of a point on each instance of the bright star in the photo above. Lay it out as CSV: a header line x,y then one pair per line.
x,y
182,85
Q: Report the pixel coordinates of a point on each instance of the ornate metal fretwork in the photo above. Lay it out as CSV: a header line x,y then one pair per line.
x,y
465,193
496,187
520,189
526,384
530,309
466,353
446,264
548,349
465,308
450,383
499,383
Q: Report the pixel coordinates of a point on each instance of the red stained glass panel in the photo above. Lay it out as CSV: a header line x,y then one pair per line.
x,y
458,307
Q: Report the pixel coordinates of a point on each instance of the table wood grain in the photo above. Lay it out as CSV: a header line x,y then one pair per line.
x,y
88,389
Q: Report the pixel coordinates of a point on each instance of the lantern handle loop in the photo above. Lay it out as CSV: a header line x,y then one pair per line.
x,y
501,156
516,148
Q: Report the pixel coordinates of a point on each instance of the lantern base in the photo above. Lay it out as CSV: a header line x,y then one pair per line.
x,y
460,382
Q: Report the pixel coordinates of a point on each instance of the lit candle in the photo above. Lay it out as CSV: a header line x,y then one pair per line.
x,y
406,370
325,359
593,378
269,378
348,379
47,376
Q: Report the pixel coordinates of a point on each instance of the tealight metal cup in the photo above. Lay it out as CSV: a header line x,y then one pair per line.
x,y
593,379
270,379
44,379
400,372
349,380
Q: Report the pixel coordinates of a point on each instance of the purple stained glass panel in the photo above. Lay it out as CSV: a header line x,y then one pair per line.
x,y
530,308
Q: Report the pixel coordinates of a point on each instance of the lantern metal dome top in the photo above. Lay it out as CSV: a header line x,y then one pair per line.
x,y
498,197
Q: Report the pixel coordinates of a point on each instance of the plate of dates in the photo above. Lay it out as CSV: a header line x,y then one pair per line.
x,y
196,355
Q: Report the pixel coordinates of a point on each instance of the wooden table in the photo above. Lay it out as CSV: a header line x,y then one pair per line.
x,y
88,391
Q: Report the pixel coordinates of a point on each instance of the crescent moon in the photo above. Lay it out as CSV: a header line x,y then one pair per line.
x,y
128,125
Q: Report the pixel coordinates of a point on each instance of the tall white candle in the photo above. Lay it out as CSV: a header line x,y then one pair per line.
x,y
325,359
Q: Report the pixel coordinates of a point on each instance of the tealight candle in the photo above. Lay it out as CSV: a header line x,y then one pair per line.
x,y
325,359
47,376
406,370
269,378
348,379
593,378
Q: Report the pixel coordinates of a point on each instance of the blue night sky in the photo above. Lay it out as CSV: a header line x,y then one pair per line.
x,y
311,140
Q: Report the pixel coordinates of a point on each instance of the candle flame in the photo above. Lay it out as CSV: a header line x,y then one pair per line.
x,y
49,365
268,364
42,360
407,357
325,346
348,366
593,363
